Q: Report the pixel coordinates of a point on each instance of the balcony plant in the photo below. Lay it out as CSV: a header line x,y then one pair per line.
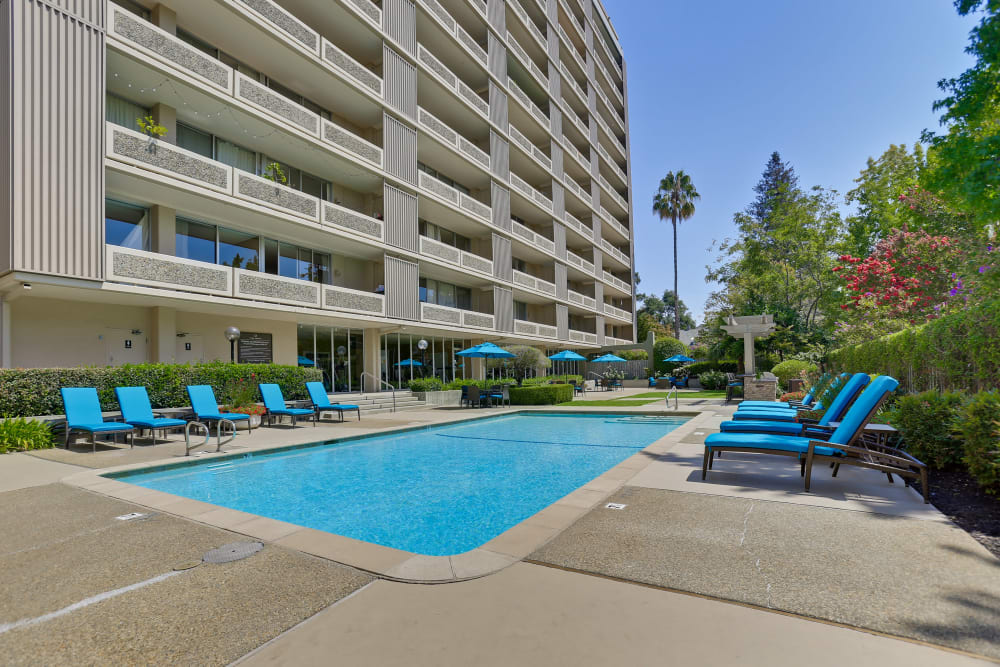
x,y
275,173
151,129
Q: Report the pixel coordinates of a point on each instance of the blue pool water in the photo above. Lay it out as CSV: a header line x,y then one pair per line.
x,y
436,491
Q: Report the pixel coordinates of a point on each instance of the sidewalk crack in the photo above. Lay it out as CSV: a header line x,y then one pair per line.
x,y
752,555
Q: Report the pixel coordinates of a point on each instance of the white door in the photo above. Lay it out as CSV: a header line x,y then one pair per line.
x,y
189,349
126,347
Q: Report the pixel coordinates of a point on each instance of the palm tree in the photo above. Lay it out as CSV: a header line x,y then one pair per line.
x,y
675,201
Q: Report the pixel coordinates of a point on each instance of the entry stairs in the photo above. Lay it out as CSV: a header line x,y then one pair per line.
x,y
379,403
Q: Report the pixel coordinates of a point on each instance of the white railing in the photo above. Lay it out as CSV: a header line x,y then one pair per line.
x,y
454,197
526,60
571,47
577,154
529,25
431,312
610,340
531,149
568,77
615,225
582,337
532,237
577,225
581,299
525,280
614,252
450,80
452,27
456,141
529,106
614,311
531,193
621,201
446,253
580,262
616,281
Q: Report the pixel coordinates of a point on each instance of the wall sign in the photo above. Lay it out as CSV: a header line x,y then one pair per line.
x,y
255,348
128,343
187,347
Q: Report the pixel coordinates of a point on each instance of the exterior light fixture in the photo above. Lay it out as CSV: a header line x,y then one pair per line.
x,y
232,335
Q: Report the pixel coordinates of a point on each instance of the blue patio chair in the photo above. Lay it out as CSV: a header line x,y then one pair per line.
x,y
206,408
819,430
501,394
845,446
772,413
679,383
275,406
806,401
652,383
83,414
321,401
138,412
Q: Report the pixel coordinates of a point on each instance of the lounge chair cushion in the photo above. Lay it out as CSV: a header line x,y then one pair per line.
x,y
101,427
780,427
160,422
291,411
764,441
339,406
766,404
767,415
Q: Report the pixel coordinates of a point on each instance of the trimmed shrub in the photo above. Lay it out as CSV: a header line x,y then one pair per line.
x,y
633,355
696,368
541,395
926,421
558,379
35,391
792,368
792,396
425,384
712,380
664,348
729,366
482,384
18,434
979,426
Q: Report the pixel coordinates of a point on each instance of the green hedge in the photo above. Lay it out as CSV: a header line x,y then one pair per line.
x,y
979,426
425,384
958,351
35,391
792,368
926,422
551,394
561,379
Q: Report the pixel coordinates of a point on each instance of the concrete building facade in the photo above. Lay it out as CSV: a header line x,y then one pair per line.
x,y
352,184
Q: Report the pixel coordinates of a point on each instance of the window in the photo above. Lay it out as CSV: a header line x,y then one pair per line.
x,y
195,141
195,240
239,250
135,8
519,265
126,225
235,156
291,261
202,46
304,181
446,236
120,111
520,310
445,294
430,171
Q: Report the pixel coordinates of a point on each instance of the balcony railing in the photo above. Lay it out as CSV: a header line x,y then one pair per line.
x,y
442,131
528,23
570,115
582,337
611,162
528,105
348,219
615,225
522,279
571,47
572,222
452,26
581,299
568,78
139,267
579,262
618,199
616,281
532,237
577,154
453,255
599,65
524,188
614,252
531,149
351,67
526,60
616,143
431,312
451,81
612,111
616,312
453,196
610,340
369,10
535,329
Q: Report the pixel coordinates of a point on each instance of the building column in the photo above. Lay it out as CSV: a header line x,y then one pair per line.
x,y
163,230
167,117
165,18
163,340
748,366
372,359
6,349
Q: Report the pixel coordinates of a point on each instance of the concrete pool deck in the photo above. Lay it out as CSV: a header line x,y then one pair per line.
x,y
525,613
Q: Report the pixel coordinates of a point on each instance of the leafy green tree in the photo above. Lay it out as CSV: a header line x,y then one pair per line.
x,y
674,201
880,197
966,154
664,348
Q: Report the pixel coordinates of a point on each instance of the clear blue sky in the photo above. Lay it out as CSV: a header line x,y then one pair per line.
x,y
714,87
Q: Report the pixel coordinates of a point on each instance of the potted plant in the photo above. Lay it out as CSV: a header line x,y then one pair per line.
x,y
242,397
151,129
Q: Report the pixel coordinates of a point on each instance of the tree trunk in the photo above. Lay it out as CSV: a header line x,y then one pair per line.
x,y
677,296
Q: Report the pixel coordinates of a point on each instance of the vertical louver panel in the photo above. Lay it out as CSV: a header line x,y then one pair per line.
x,y
598,260
496,11
503,308
399,20
557,159
5,152
499,156
558,200
54,154
561,287
402,296
399,82
599,293
556,120
501,206
599,328
559,237
497,57
400,218
503,269
562,321
400,149
498,107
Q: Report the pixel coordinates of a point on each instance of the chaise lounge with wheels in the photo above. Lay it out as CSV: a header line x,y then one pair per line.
x,y
83,415
806,401
138,412
275,406
321,402
845,446
785,414
206,408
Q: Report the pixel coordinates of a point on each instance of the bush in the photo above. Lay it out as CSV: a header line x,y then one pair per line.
x,y
551,394
926,421
712,380
560,379
664,348
482,384
633,355
729,366
792,396
979,426
696,368
35,391
426,384
18,434
792,368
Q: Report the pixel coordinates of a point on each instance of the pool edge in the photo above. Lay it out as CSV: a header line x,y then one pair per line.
x,y
510,547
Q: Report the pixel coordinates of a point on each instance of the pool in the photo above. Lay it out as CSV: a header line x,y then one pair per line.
x,y
437,491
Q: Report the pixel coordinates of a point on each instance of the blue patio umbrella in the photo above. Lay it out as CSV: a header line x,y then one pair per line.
x,y
486,351
306,361
409,362
567,355
678,359
607,359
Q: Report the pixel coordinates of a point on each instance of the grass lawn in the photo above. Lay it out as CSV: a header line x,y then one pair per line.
x,y
720,393
620,403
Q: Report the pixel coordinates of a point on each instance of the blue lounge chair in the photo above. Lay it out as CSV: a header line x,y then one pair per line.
x,y
820,430
845,446
772,413
137,411
805,404
679,383
274,404
206,408
83,414
321,401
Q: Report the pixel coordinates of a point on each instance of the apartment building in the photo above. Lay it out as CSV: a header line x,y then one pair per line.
x,y
354,184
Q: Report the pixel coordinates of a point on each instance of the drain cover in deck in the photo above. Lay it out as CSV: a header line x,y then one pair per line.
x,y
227,553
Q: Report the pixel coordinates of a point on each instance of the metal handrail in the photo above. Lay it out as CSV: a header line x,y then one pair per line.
x,y
673,391
377,380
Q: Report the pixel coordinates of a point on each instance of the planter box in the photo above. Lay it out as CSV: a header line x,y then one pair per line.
x,y
759,390
450,397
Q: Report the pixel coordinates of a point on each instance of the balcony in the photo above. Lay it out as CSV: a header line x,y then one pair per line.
x,y
536,153
578,226
568,78
451,26
431,312
529,106
526,60
618,171
582,160
453,139
528,281
452,255
571,48
450,80
529,25
617,198
532,237
611,250
369,11
535,329
617,282
139,267
579,262
583,300
617,313
617,144
582,337
531,193
458,199
611,340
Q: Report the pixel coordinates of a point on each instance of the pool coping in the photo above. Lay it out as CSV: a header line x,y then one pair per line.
x,y
502,551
